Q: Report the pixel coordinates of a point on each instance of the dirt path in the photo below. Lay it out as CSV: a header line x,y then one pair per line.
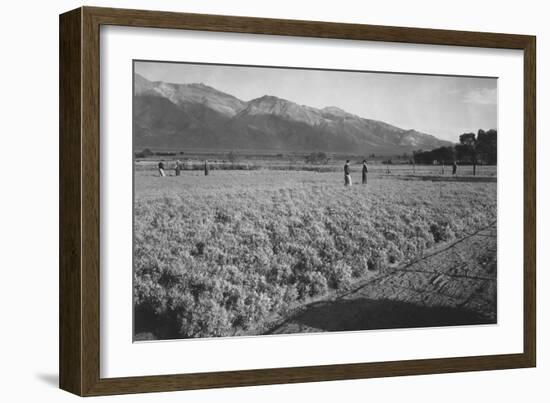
x,y
452,285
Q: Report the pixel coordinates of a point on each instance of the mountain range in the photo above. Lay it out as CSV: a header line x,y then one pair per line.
x,y
176,116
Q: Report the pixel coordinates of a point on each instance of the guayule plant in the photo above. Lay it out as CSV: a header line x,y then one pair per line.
x,y
225,256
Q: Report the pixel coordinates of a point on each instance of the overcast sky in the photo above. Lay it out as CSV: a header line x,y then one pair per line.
x,y
444,106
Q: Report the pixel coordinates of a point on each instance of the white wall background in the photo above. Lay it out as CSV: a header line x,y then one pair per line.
x,y
29,198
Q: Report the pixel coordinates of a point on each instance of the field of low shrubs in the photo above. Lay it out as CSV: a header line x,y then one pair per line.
x,y
221,255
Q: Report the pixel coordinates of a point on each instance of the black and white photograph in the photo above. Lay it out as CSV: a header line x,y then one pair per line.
x,y
278,200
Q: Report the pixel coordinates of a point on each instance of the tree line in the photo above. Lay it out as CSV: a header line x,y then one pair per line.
x,y
472,149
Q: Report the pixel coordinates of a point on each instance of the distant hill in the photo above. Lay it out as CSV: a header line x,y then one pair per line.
x,y
198,116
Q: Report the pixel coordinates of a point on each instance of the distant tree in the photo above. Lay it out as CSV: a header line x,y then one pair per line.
x,y
232,156
478,149
443,155
487,146
145,153
467,149
317,158
468,139
417,156
472,149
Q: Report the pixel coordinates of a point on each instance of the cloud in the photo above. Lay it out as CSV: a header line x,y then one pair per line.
x,y
481,96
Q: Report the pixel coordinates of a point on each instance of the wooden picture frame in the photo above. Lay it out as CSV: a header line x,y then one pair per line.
x,y
79,348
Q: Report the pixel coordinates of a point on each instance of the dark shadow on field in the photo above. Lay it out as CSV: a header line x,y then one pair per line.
x,y
147,326
369,314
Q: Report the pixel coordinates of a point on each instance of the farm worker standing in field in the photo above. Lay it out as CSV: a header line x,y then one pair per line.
x,y
347,176
161,169
178,168
454,167
365,172
206,168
